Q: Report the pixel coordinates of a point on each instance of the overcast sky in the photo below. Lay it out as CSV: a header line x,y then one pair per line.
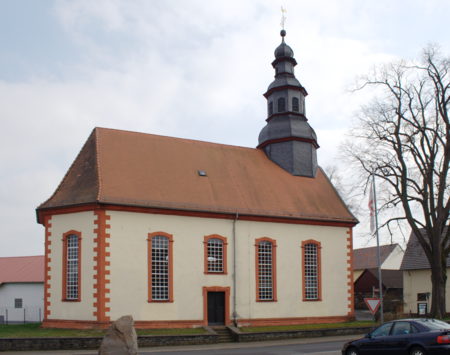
x,y
189,69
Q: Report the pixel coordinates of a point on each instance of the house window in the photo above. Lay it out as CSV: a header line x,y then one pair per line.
x,y
270,108
421,297
311,264
295,105
160,268
281,105
265,255
71,266
18,303
215,254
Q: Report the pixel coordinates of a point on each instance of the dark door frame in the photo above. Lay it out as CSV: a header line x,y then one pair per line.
x,y
205,302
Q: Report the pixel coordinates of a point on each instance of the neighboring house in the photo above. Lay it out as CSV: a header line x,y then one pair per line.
x,y
391,257
183,233
367,282
21,289
417,277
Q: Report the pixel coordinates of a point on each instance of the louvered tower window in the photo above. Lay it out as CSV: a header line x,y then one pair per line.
x,y
72,267
265,271
281,105
295,105
160,268
311,272
270,108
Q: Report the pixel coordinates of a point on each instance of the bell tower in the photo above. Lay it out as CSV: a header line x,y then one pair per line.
x,y
288,139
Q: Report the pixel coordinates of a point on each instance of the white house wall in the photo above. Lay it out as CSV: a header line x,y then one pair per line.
x,y
128,286
419,281
32,295
394,260
81,222
129,262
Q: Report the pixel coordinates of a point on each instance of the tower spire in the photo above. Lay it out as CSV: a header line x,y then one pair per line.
x,y
287,139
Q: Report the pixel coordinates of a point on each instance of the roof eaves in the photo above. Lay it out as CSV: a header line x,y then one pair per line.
x,y
97,146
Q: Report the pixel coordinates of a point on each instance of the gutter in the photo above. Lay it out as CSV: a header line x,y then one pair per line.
x,y
234,256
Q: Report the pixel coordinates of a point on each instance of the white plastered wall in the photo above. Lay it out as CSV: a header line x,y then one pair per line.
x,y
129,267
32,295
394,260
419,281
356,274
81,222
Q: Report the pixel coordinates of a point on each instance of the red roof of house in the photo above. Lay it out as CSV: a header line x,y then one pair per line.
x,y
367,258
137,169
22,269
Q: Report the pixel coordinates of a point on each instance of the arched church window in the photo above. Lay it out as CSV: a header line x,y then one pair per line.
x,y
270,108
266,275
281,105
215,254
311,264
295,104
160,267
71,266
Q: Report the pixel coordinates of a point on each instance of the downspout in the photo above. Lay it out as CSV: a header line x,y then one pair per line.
x,y
234,256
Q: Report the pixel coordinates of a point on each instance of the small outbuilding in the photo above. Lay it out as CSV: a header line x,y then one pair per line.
x,y
21,289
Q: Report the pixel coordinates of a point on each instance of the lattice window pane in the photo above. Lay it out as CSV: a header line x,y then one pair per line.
x,y
311,277
215,255
295,104
72,267
281,105
160,268
265,271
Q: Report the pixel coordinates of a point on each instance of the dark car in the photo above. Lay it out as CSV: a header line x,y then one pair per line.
x,y
403,337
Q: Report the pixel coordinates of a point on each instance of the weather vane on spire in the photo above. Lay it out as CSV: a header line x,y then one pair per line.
x,y
283,18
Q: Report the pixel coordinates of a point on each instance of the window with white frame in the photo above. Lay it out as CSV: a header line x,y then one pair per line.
x,y
160,268
215,255
311,271
17,303
265,270
72,267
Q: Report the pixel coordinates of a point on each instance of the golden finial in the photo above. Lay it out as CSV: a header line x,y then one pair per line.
x,y
283,18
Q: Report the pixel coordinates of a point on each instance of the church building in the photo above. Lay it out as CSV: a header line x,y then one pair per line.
x,y
184,233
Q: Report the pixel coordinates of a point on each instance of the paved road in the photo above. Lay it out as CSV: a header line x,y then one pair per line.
x,y
304,346
327,348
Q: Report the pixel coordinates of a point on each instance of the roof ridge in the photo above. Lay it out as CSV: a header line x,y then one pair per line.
x,y
97,147
178,138
374,246
68,171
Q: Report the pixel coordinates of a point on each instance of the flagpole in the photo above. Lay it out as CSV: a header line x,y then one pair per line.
x,y
378,247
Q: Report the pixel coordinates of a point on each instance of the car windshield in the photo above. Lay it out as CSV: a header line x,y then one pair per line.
x,y
434,324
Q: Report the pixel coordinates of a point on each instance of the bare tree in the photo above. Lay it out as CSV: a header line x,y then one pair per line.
x,y
403,135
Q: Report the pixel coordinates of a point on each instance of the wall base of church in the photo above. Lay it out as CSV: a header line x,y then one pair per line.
x,y
266,322
251,322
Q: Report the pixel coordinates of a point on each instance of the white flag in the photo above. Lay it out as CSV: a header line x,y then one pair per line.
x,y
371,209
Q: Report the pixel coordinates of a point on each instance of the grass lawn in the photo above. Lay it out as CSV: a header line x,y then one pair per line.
x,y
307,326
34,330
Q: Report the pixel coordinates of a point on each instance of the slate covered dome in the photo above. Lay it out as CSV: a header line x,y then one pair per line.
x,y
283,50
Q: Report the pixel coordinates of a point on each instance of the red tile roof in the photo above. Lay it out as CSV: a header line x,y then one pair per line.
x,y
137,169
22,269
367,258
